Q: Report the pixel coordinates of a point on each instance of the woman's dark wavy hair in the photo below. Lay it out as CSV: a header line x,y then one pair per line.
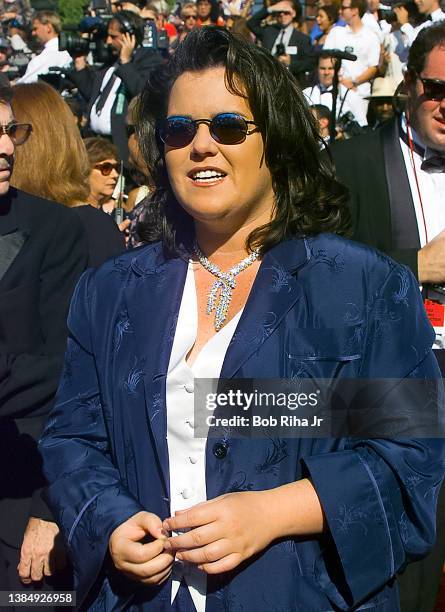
x,y
308,198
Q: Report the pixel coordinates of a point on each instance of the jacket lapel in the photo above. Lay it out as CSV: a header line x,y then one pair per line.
x,y
153,307
273,294
404,230
10,246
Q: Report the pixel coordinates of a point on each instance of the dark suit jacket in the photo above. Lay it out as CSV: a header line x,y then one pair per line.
x,y
104,238
372,167
42,254
319,308
134,75
303,61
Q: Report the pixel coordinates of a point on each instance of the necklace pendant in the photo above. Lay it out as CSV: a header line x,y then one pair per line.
x,y
225,284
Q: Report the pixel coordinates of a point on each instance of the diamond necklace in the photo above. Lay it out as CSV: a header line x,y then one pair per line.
x,y
225,284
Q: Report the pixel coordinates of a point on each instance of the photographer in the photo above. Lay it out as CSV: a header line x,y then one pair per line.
x,y
46,27
282,39
109,89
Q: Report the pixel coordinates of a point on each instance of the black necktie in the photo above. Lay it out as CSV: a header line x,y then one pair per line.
x,y
104,94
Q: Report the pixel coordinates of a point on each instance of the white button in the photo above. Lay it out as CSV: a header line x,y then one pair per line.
x,y
193,460
187,493
189,387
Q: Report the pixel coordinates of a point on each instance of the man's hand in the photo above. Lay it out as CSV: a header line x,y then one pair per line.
x,y
280,6
401,14
431,261
80,63
146,563
42,551
127,48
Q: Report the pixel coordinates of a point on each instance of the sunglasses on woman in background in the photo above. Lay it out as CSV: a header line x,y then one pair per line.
x,y
106,168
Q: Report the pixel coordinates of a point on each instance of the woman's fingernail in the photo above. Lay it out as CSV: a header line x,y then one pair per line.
x,y
179,556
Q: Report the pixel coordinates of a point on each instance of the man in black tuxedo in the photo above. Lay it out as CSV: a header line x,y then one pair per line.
x,y
42,253
109,90
396,177
282,39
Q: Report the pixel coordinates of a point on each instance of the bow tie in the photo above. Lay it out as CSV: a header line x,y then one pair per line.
x,y
434,162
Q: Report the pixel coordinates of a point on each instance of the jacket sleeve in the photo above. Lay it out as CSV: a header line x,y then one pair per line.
x,y
84,80
304,60
85,492
135,74
379,496
28,381
254,23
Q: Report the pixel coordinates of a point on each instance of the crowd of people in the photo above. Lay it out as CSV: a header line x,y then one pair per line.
x,y
240,158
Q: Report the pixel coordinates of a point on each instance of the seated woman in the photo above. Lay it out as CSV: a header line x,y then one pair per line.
x,y
242,284
53,164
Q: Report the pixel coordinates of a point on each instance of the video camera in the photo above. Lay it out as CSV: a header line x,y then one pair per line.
x,y
90,35
349,126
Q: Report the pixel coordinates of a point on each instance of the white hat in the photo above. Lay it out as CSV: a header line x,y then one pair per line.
x,y
383,88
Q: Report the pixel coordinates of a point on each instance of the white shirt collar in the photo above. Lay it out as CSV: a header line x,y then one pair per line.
x,y
52,44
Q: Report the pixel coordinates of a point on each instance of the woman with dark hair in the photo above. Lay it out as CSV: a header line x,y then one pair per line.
x,y
326,18
159,513
208,13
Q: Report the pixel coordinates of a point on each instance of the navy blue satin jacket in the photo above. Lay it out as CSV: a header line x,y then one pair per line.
x,y
320,307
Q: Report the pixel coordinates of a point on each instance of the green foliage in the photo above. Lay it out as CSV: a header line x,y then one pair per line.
x,y
71,11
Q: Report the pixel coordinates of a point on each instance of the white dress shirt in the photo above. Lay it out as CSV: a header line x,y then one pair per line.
x,y
186,453
431,188
380,26
411,32
48,58
101,124
364,44
429,197
348,101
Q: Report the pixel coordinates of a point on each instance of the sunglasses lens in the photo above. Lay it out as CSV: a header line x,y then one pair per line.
x,y
434,90
19,133
228,128
177,132
106,168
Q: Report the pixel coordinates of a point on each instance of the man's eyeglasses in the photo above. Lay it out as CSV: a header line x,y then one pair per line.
x,y
106,168
17,132
226,128
282,13
433,89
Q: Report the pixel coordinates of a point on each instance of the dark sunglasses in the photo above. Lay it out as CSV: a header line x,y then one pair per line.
x,y
225,128
433,89
190,17
282,12
17,132
106,168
